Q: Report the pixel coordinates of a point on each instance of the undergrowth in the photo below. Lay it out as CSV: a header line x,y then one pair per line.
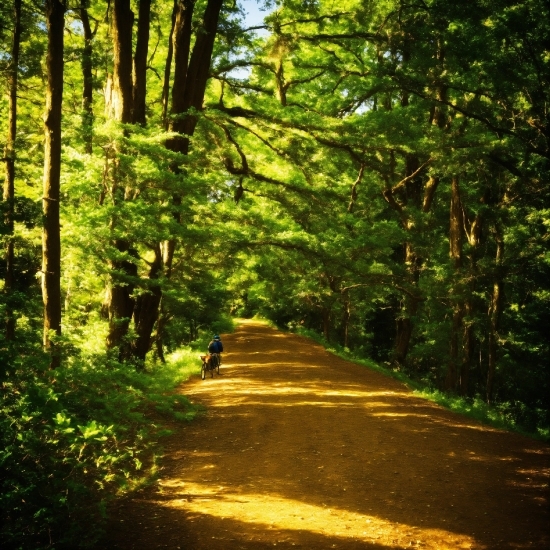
x,y
74,438
498,415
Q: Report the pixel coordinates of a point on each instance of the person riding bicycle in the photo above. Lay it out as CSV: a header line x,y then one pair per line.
x,y
218,341
215,347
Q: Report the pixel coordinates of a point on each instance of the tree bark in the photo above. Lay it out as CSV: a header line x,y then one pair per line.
x,y
161,322
411,193
404,330
456,225
346,319
181,46
123,19
429,193
473,232
452,370
190,79
455,253
409,307
87,74
168,67
146,310
467,349
325,313
9,158
140,62
120,301
438,115
51,238
123,271
494,317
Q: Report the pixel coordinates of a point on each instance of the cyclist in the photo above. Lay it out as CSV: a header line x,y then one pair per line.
x,y
215,347
218,341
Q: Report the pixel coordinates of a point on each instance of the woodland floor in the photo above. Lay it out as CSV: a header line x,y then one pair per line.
x,y
301,449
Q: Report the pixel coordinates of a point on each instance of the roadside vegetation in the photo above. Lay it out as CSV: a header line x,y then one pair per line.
x,y
76,437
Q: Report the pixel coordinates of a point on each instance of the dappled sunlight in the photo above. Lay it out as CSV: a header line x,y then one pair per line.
x,y
238,391
263,365
399,414
477,427
309,403
270,511
240,386
534,479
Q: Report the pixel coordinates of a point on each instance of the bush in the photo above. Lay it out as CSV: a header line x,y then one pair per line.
x,y
75,437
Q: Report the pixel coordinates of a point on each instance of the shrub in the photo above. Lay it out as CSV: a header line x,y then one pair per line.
x,y
73,438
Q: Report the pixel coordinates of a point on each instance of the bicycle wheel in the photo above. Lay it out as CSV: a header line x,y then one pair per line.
x,y
203,370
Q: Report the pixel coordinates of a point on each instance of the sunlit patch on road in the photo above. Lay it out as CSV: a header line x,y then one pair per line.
x,y
277,512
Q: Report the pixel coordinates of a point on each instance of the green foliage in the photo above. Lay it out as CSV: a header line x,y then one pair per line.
x,y
315,192
74,438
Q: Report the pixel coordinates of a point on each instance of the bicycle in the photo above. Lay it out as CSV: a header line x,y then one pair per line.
x,y
218,360
208,365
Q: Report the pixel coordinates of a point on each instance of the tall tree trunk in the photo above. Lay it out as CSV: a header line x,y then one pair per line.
x,y
429,193
325,314
414,196
468,341
456,328
140,62
455,252
168,67
120,301
167,249
422,200
51,238
123,19
123,271
9,158
411,192
494,316
181,43
199,67
404,330
346,319
159,336
146,310
456,225
190,79
473,232
438,115
87,74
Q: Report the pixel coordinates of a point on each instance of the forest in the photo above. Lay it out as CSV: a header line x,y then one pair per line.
x,y
374,172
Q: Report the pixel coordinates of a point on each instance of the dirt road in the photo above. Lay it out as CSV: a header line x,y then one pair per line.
x,y
300,449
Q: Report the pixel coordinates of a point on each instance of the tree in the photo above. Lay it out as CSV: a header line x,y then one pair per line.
x,y
9,159
51,240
